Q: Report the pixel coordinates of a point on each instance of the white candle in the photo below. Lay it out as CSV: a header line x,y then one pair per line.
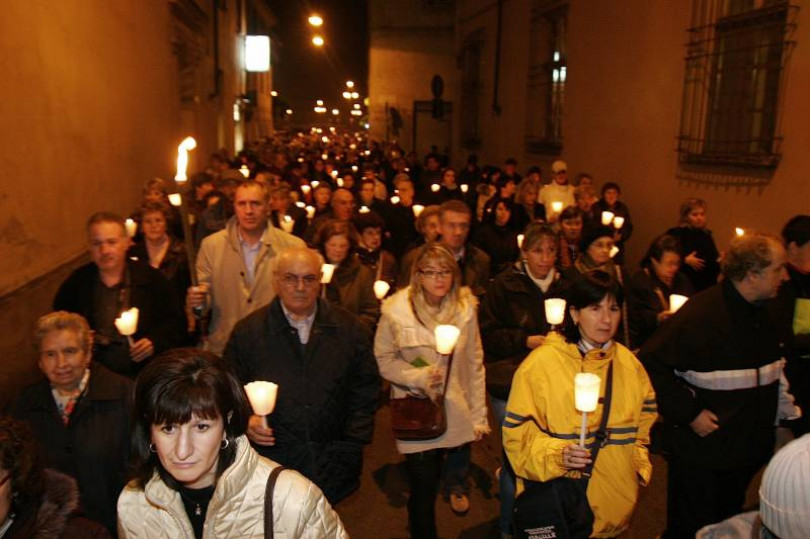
x,y
614,251
339,182
676,301
244,170
287,224
334,174
175,199
310,212
417,209
435,187
127,324
315,184
301,204
262,397
364,209
586,398
326,273
555,311
381,289
131,226
607,217
465,188
520,241
739,231
186,146
618,221
446,338
395,199
354,168
305,189
556,206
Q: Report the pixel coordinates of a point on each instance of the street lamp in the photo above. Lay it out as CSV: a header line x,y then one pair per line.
x,y
315,20
317,41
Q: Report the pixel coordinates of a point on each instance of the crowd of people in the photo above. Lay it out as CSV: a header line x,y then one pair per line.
x,y
325,263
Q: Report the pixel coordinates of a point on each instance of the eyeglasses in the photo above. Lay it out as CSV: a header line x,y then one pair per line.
x,y
292,281
433,275
561,172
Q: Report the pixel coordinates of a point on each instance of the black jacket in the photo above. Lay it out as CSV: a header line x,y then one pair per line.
x,y
511,311
94,446
700,241
644,293
174,265
717,330
327,393
161,318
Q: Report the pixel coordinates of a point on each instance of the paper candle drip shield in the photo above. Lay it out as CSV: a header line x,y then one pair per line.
x,y
131,226
586,391
175,199
417,209
262,396
446,338
326,273
607,217
520,241
381,289
310,212
555,311
464,188
394,199
618,221
127,324
556,206
676,301
435,187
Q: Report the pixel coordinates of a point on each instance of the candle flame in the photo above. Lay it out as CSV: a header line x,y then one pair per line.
x,y
186,146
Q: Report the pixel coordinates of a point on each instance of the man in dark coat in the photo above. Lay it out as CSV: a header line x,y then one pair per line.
x,y
101,290
321,358
716,367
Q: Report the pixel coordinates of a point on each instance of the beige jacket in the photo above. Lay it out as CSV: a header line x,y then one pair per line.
x,y
237,507
221,266
401,339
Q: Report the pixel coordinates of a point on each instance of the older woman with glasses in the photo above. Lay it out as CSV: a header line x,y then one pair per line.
x,y
405,347
79,413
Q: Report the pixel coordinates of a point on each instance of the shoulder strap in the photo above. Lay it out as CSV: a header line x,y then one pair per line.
x,y
268,501
602,434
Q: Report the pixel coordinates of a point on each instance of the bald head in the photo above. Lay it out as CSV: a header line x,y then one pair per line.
x,y
297,279
343,204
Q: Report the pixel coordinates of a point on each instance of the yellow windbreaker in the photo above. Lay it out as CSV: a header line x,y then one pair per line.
x,y
541,420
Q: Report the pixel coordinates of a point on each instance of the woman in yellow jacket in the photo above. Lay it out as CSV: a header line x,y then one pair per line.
x,y
542,427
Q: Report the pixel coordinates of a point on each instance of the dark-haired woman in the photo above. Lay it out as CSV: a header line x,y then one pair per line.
x,y
542,424
649,289
36,502
195,472
610,202
497,238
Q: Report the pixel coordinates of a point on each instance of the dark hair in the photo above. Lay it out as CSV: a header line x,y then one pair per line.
x,y
511,161
582,175
455,206
533,169
611,185
332,228
174,386
587,289
797,230
155,207
19,456
507,203
370,219
571,212
660,245
201,178
106,217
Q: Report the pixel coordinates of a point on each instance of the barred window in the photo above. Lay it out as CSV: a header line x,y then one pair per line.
x,y
545,93
472,87
736,61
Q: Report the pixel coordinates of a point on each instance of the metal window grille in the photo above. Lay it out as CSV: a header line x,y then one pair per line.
x,y
736,62
547,78
472,89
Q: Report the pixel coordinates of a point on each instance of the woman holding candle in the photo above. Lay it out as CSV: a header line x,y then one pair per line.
x,y
79,414
352,284
649,289
698,251
370,252
624,225
542,421
405,348
195,472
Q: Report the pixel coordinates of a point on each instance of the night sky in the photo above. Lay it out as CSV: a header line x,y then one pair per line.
x,y
303,73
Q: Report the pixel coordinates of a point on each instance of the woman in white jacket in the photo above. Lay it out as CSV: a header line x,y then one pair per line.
x,y
405,348
195,472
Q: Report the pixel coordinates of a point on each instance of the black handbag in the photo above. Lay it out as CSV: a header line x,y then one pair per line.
x,y
559,508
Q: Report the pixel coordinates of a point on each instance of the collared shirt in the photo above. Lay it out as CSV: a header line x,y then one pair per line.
x,y
249,254
586,346
304,327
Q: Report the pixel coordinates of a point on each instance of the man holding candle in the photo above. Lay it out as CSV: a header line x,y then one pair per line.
x,y
716,367
557,191
101,290
233,266
321,358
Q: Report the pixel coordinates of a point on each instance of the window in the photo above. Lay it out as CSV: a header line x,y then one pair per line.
x,y
736,62
547,76
472,87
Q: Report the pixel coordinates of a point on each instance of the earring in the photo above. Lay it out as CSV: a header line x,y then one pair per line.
x,y
153,447
225,443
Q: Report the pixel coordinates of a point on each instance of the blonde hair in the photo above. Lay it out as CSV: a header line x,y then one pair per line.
x,y
63,320
451,305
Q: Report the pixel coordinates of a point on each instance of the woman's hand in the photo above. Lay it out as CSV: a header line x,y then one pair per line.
x,y
480,432
141,350
576,457
435,381
694,262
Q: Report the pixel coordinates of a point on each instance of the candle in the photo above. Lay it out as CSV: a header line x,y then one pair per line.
x,y
556,206
618,221
305,189
555,310
381,289
739,231
586,398
435,187
607,217
175,199
326,273
334,174
301,204
354,168
262,397
127,324
364,209
614,251
395,199
339,182
446,338
315,184
131,226
676,301
310,212
244,170
187,145
287,224
417,209
465,188
520,241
